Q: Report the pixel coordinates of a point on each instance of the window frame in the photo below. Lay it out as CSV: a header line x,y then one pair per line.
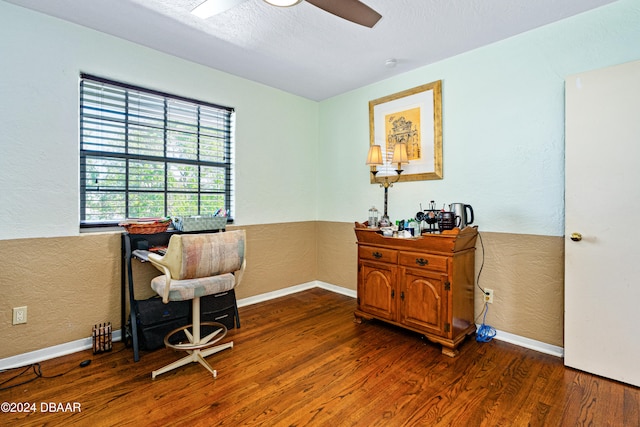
x,y
88,151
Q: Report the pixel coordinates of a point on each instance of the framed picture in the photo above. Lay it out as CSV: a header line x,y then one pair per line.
x,y
413,116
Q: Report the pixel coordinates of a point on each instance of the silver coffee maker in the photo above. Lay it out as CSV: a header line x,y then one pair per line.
x,y
465,212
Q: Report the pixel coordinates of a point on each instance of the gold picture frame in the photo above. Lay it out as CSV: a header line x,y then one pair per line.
x,y
413,116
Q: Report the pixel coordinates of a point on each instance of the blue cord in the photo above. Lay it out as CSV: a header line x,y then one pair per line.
x,y
485,333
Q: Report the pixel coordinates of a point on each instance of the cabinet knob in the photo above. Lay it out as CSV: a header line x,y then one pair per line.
x,y
576,237
377,255
422,261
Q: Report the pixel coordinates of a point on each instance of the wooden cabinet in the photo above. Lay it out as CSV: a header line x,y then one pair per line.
x,y
424,284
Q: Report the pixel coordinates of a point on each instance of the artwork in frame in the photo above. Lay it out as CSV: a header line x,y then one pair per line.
x,y
413,116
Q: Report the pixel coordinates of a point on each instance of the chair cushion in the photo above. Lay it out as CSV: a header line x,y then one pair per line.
x,y
189,288
201,255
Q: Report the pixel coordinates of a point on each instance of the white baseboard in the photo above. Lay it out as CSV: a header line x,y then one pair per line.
x,y
276,294
294,289
337,289
47,353
540,346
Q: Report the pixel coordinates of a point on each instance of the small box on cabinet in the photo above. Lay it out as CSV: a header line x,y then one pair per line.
x,y
200,223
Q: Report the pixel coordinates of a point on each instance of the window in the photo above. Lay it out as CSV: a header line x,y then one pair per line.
x,y
145,153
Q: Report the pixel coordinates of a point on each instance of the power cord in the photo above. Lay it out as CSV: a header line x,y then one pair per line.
x,y
481,266
37,371
485,333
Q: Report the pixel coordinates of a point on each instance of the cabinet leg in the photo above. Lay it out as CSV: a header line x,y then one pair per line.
x,y
357,319
451,352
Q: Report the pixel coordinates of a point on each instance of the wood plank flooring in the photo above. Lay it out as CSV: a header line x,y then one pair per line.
x,y
300,360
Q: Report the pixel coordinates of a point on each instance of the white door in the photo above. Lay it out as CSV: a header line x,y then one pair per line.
x,y
602,203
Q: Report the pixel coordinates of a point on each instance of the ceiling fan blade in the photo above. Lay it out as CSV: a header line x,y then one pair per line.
x,y
209,8
351,10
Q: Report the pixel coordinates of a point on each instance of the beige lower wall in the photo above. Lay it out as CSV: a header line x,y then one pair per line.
x,y
526,273
337,254
68,284
278,256
71,283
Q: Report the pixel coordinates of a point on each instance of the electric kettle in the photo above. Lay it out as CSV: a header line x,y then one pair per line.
x,y
465,212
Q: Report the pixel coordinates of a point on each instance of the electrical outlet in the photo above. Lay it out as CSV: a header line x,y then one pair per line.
x,y
488,295
19,315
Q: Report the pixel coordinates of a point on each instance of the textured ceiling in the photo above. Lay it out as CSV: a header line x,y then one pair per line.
x,y
305,50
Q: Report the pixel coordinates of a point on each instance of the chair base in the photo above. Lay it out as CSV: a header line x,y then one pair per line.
x,y
194,356
198,349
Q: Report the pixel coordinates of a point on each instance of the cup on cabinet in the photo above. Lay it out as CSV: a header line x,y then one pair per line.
x,y
448,221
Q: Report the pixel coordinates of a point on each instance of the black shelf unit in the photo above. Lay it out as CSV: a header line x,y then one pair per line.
x,y
132,242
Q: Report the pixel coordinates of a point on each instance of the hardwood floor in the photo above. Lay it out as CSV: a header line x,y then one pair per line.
x,y
300,360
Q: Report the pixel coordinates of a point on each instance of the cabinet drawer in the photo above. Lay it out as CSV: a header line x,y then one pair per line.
x,y
378,254
227,317
218,302
416,259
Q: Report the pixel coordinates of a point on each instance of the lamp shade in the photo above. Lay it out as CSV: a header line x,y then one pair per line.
x,y
283,3
400,153
374,158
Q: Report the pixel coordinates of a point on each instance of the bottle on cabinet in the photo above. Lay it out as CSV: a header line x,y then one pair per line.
x,y
374,217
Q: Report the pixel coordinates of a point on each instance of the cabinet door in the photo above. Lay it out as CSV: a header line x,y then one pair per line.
x,y
423,300
376,292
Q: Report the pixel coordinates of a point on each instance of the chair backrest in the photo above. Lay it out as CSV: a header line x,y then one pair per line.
x,y
190,256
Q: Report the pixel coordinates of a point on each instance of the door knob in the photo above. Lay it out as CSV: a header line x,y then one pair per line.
x,y
576,237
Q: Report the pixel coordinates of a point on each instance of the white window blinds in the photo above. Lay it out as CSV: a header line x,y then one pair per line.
x,y
145,153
